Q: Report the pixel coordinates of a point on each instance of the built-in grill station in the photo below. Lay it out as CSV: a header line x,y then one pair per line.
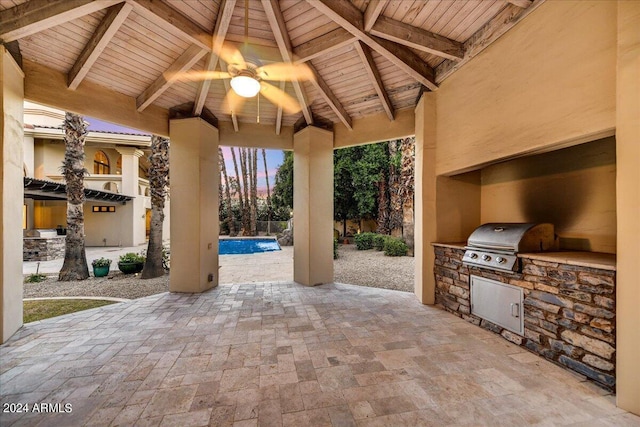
x,y
495,245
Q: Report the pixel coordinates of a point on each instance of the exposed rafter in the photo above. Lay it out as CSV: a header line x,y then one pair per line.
x,y
322,45
520,3
107,28
373,11
166,17
417,38
490,32
187,60
351,19
331,99
219,33
38,15
276,21
374,75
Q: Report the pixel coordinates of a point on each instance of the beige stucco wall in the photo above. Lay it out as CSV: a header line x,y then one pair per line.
x,y
628,207
194,205
573,188
549,81
11,187
313,206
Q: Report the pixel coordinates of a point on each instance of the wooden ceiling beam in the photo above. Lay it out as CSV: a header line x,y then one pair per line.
x,y
185,62
165,16
107,28
373,11
330,98
349,17
219,33
520,3
506,19
374,75
417,38
39,15
276,21
322,45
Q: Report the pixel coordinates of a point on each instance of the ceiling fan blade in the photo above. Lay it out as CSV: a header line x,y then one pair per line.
x,y
280,98
282,71
232,102
196,76
231,55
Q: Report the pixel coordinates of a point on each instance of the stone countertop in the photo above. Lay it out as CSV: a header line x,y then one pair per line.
x,y
599,260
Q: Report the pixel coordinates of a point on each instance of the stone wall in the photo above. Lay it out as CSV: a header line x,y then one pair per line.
x,y
569,310
42,249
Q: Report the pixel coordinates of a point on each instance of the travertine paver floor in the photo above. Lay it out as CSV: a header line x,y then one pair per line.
x,y
281,354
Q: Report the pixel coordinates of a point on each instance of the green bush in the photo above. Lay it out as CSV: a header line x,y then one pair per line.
x,y
35,278
395,247
131,257
364,241
378,241
335,248
101,262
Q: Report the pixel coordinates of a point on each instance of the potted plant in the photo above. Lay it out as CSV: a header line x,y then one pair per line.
x,y
131,263
101,267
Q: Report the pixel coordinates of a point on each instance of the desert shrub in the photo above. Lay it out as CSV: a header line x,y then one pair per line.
x,y
364,241
378,241
395,247
35,278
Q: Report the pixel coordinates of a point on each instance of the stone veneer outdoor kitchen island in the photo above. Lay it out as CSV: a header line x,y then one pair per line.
x,y
569,305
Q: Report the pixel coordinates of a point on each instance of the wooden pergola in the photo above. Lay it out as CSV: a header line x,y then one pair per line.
x,y
477,82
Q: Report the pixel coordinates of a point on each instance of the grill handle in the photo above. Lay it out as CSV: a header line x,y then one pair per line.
x,y
515,309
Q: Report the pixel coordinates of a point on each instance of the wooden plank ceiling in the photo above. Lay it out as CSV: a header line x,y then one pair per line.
x,y
368,56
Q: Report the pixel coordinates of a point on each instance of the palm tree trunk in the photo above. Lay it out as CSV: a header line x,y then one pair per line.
x,y
237,182
395,200
158,171
246,226
266,175
223,168
254,192
383,206
75,257
407,187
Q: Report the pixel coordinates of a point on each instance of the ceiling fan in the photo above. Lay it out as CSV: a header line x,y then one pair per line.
x,y
249,77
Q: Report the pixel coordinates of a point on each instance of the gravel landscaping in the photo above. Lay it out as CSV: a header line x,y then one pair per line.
x,y
364,268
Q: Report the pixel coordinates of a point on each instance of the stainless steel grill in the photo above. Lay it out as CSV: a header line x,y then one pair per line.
x,y
495,245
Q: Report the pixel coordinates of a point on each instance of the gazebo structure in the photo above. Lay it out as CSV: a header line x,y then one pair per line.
x,y
478,83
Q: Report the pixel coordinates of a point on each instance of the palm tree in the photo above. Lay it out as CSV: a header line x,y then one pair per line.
x,y
266,175
158,172
75,257
237,182
407,190
223,168
395,199
246,225
254,191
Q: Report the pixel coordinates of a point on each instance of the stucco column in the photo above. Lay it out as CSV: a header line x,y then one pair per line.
x,y
628,207
133,222
193,160
313,206
11,135
425,230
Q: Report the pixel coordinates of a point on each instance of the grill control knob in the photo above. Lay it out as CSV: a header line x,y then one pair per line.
x,y
486,257
473,255
500,260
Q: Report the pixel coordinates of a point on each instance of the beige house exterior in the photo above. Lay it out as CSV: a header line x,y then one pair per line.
x,y
565,76
115,162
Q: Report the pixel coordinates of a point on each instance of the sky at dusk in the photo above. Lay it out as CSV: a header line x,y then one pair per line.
x,y
274,157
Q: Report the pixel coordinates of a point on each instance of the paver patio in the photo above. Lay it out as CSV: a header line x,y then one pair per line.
x,y
282,354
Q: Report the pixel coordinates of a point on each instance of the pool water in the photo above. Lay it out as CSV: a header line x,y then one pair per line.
x,y
247,246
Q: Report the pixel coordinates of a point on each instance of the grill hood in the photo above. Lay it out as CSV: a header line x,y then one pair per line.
x,y
513,237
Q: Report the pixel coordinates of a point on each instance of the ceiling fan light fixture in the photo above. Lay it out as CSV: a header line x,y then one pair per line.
x,y
245,86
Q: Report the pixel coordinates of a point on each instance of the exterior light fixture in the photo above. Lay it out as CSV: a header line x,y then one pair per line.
x,y
245,86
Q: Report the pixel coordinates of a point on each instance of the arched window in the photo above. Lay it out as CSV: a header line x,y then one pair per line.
x,y
101,164
111,186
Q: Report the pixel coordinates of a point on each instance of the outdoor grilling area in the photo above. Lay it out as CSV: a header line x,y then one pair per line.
x,y
547,287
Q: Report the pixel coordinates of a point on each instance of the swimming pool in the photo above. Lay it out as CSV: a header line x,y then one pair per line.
x,y
247,246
